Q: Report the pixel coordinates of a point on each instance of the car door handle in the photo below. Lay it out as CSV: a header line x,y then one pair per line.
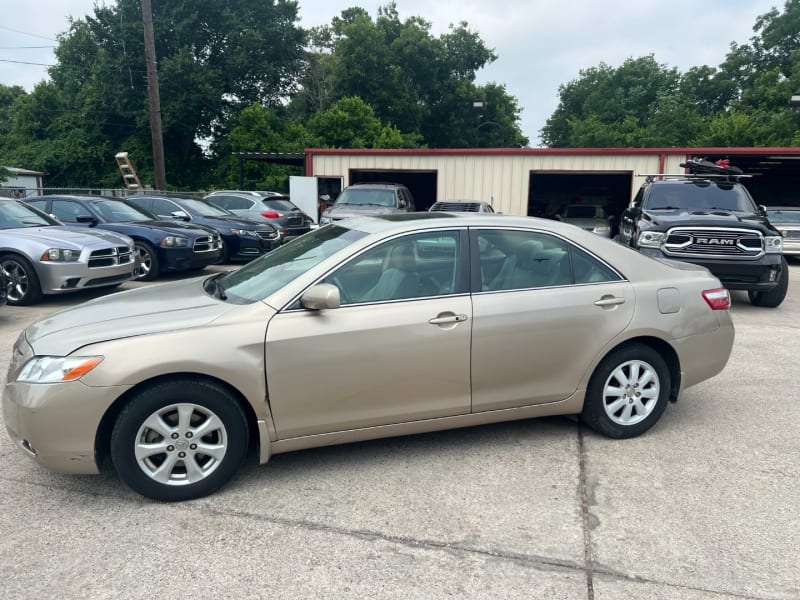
x,y
609,301
443,320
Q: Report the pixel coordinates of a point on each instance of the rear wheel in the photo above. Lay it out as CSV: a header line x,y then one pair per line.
x,y
23,283
775,296
179,440
627,393
148,261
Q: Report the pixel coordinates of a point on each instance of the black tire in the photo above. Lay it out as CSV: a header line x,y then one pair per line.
x,y
604,411
148,268
775,296
160,472
23,283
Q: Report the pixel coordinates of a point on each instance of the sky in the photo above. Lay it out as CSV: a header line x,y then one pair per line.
x,y
540,44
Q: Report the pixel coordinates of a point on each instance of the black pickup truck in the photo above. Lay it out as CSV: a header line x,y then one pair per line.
x,y
707,217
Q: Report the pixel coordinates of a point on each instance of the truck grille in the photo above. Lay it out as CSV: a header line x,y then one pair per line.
x,y
709,241
109,257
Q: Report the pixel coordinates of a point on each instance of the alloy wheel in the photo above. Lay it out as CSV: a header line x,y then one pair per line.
x,y
631,392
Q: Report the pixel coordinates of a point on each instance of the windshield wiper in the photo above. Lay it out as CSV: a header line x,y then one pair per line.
x,y
213,286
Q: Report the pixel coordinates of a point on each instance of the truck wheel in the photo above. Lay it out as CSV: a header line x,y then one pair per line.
x,y
775,296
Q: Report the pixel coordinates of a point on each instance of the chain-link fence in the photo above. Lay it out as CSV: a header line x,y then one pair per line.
x,y
23,192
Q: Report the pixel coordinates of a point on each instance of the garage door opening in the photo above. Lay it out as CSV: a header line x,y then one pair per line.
x,y
550,192
421,184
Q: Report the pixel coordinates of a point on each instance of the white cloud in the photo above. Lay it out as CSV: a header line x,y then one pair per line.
x,y
540,43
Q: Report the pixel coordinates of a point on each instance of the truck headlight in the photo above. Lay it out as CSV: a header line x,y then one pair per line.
x,y
651,239
773,244
56,369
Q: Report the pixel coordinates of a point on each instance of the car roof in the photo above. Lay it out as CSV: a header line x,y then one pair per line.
x,y
419,221
165,196
376,184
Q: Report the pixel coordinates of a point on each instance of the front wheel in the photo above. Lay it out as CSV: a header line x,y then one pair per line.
x,y
775,296
23,283
148,261
179,440
627,393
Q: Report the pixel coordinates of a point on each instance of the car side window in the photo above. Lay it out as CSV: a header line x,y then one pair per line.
x,y
68,211
514,260
163,208
588,269
232,202
412,266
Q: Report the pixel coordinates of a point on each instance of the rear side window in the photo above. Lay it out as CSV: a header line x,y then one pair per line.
x,y
231,202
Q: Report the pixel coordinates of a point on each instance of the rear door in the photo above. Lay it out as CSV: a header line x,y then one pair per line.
x,y
543,309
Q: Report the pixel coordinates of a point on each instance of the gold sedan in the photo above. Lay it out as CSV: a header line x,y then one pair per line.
x,y
368,328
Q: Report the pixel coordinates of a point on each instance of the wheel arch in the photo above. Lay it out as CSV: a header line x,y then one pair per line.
x,y
102,442
666,351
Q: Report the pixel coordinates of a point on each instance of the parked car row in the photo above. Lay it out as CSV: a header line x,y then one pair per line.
x,y
57,244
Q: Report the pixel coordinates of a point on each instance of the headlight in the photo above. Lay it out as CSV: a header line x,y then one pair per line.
x,y
60,255
773,244
174,241
244,232
651,239
324,220
601,229
55,369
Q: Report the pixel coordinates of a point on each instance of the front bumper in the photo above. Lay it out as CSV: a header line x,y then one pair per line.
x,y
180,259
56,424
247,248
292,233
761,274
61,277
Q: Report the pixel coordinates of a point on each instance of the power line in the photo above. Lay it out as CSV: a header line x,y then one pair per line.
x,y
26,33
24,47
22,62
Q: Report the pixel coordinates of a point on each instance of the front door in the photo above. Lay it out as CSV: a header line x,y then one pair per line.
x,y
397,350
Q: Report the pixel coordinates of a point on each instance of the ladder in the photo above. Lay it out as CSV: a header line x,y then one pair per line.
x,y
129,176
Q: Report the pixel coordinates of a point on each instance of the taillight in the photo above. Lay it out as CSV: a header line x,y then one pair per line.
x,y
717,299
271,214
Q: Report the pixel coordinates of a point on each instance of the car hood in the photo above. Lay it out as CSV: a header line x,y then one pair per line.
x,y
162,227
142,311
711,218
346,211
236,222
67,237
586,223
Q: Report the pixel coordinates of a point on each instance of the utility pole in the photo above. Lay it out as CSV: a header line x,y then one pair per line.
x,y
153,98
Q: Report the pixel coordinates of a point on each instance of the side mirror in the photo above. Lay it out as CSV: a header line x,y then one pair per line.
x,y
179,214
321,296
86,219
762,209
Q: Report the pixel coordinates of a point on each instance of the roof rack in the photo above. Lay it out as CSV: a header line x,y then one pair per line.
x,y
703,169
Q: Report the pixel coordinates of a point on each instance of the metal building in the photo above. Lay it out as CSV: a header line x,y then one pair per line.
x,y
536,181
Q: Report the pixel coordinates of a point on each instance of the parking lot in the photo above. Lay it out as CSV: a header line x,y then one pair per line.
x,y
705,505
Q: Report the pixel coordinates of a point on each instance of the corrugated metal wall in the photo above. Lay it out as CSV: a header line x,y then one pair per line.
x,y
502,179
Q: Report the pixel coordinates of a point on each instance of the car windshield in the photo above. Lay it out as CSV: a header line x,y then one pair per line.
x,y
117,211
264,276
584,211
279,204
206,209
366,196
700,196
784,215
14,215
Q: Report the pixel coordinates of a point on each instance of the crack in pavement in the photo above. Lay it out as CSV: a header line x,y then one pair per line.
x,y
584,500
529,560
